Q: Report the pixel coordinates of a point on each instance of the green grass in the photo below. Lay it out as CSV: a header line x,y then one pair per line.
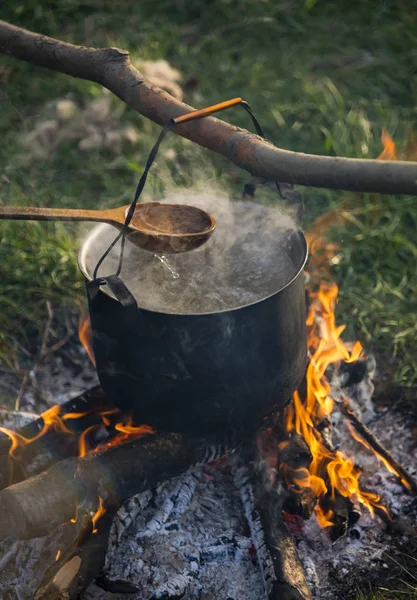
x,y
402,571
322,77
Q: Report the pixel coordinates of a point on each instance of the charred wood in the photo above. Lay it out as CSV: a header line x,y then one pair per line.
x,y
300,503
372,441
36,506
277,555
76,568
296,453
55,444
294,458
344,514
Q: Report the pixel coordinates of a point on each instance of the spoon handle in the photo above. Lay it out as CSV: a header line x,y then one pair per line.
x,y
33,213
204,112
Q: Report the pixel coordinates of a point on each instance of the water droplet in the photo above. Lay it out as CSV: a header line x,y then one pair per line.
x,y
163,259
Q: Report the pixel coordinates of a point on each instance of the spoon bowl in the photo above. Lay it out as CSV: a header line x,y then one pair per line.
x,y
170,228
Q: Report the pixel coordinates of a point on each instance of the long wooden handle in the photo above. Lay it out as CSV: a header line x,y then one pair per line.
x,y
32,213
204,112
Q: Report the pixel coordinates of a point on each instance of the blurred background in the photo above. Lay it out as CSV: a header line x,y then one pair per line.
x,y
322,77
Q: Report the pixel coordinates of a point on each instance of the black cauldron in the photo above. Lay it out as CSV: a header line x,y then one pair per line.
x,y
203,373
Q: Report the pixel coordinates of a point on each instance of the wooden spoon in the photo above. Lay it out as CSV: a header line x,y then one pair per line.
x,y
155,226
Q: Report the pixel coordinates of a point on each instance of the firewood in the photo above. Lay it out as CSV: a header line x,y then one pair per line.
x,y
344,514
57,588
75,569
293,455
54,445
277,555
371,440
38,505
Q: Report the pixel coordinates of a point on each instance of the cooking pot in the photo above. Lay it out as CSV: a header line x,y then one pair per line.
x,y
208,372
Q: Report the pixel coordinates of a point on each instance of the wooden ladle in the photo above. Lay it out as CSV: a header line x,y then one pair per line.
x,y
155,226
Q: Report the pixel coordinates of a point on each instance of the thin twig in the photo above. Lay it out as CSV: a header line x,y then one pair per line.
x,y
22,389
43,351
381,452
46,332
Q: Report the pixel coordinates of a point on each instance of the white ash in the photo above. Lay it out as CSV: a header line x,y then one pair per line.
x,y
246,259
188,539
241,475
65,376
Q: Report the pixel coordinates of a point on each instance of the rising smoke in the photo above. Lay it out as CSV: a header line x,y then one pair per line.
x,y
245,260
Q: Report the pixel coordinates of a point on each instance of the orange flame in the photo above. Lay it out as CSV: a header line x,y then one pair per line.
x,y
329,470
84,333
133,430
99,513
128,431
83,446
390,151
384,461
51,419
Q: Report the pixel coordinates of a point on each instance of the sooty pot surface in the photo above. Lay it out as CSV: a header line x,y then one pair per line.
x,y
215,348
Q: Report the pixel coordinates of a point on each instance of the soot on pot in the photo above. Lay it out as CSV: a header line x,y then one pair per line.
x,y
244,261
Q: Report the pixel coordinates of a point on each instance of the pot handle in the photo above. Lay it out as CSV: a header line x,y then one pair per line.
x,y
120,291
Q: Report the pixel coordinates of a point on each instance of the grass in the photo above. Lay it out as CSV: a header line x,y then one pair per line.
x,y
322,78
402,570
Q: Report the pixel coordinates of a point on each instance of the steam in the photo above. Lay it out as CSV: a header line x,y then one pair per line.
x,y
246,259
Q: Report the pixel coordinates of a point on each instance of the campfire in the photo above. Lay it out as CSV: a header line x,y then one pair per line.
x,y
80,462
213,456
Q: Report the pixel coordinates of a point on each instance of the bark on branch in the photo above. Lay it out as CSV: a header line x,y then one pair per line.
x,y
111,68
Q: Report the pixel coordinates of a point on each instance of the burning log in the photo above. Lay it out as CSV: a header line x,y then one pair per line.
x,y
74,570
51,438
294,459
370,441
38,505
277,555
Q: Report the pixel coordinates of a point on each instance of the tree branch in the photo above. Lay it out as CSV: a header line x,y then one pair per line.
x,y
111,68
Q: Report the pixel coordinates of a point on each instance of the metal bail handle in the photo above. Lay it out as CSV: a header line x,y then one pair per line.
x,y
121,292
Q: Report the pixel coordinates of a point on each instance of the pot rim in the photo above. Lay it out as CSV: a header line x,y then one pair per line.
x,y
95,231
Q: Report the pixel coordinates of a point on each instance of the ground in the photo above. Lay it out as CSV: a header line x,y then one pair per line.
x,y
322,77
